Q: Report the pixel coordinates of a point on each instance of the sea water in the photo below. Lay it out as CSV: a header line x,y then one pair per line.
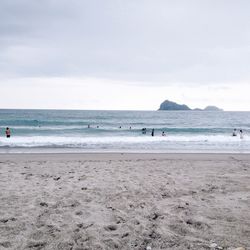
x,y
101,131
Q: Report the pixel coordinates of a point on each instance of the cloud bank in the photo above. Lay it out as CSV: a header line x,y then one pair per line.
x,y
144,43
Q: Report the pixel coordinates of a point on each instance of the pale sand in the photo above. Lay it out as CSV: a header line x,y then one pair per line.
x,y
124,201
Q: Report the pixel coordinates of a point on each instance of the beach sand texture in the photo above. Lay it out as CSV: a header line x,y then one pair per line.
x,y
124,201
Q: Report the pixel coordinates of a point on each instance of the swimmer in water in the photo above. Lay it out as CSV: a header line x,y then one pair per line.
x,y
241,134
234,132
153,132
7,132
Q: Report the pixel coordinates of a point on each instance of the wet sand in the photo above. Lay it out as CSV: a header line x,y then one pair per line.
x,y
124,201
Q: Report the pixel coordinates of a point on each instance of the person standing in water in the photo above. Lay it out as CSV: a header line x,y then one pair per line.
x,y
241,134
163,133
153,132
7,132
234,132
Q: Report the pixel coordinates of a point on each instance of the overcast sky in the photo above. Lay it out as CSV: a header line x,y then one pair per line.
x,y
124,54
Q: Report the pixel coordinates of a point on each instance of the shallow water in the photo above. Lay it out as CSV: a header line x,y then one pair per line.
x,y
187,131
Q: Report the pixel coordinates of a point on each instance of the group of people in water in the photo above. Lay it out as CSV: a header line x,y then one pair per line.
x,y
144,131
235,133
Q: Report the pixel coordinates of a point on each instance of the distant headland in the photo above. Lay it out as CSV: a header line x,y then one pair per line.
x,y
168,105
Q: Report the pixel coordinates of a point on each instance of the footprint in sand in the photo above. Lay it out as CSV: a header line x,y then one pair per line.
x,y
64,246
36,245
79,213
5,244
197,224
43,204
111,228
111,244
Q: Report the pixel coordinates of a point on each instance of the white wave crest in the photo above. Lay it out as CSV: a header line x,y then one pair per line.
x,y
114,141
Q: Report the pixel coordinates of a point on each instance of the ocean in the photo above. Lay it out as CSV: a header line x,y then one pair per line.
x,y
121,131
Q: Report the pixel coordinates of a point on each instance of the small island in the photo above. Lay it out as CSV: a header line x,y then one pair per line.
x,y
212,108
169,105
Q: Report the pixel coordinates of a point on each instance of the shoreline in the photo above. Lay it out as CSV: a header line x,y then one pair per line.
x,y
124,201
125,155
119,151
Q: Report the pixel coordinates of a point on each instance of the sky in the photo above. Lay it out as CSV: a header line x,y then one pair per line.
x,y
124,54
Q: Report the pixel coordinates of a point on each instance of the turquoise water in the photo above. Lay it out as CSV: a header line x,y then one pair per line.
x,y
187,131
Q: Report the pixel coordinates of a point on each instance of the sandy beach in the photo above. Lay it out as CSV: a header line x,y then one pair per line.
x,y
124,201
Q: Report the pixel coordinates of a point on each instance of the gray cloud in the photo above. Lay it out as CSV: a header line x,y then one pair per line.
x,y
161,41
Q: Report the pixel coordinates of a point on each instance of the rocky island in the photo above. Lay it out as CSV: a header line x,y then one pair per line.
x,y
212,108
168,105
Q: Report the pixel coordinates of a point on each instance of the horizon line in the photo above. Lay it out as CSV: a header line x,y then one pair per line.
x,y
69,109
